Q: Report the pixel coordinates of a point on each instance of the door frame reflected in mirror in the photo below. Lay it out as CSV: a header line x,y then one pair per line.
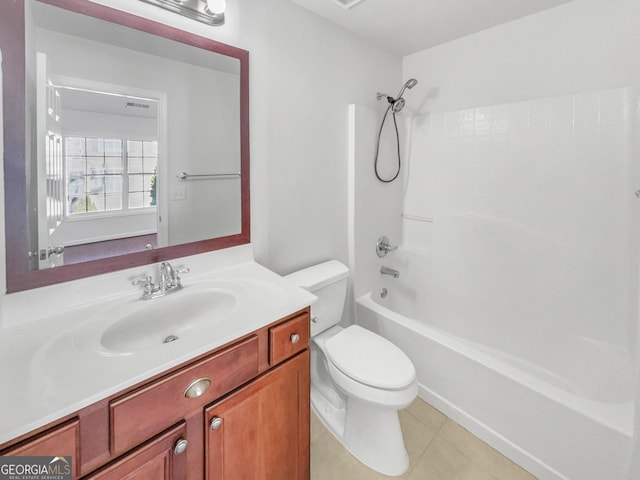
x,y
12,45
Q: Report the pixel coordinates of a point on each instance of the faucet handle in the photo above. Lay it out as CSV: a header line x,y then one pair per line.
x,y
383,246
148,283
177,273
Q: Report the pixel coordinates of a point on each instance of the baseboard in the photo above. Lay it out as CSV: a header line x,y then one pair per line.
x,y
510,450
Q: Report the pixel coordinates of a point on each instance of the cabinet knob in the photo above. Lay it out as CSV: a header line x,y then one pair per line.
x,y
295,338
216,423
180,447
197,388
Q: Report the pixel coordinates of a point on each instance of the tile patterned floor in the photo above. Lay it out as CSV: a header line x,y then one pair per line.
x,y
439,449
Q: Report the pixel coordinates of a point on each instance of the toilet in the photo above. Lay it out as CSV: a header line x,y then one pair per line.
x,y
359,380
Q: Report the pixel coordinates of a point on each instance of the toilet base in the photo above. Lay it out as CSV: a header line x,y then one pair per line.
x,y
370,433
373,435
331,416
369,430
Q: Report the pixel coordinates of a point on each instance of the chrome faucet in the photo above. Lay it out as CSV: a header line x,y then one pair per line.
x,y
383,246
168,280
384,270
168,277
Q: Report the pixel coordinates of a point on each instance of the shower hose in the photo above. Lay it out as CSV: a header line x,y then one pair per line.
x,y
375,165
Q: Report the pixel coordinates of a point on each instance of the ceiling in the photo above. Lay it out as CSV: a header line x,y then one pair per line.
x,y
407,26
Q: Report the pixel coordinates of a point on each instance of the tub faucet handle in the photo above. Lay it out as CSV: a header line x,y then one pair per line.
x,y
383,246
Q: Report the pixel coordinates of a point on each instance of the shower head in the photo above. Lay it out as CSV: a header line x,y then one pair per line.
x,y
412,82
397,103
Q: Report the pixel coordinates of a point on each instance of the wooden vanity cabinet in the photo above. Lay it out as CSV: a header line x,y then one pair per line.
x,y
261,432
150,409
60,441
246,418
161,458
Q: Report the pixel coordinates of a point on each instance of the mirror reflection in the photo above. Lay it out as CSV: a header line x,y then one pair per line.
x,y
134,143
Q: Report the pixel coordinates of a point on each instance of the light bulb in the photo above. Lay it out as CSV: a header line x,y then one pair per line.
x,y
216,7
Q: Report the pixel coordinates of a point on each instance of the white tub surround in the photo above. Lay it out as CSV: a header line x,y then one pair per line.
x,y
53,360
519,276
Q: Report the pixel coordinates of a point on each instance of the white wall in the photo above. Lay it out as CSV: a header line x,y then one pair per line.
x,y
81,122
580,46
539,117
308,164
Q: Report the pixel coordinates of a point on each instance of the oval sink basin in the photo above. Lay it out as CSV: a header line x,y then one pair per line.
x,y
163,320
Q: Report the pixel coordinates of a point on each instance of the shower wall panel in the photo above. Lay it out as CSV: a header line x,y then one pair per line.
x,y
529,211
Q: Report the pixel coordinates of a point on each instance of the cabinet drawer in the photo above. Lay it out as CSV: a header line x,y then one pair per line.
x,y
149,410
288,338
60,441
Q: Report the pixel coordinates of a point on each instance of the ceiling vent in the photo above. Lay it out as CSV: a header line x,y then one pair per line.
x,y
348,3
137,105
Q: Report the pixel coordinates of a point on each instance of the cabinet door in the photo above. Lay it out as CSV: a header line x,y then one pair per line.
x,y
155,460
261,432
58,442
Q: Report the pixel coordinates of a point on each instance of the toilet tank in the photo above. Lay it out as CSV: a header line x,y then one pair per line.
x,y
327,281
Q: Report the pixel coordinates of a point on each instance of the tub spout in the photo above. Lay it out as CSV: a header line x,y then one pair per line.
x,y
389,271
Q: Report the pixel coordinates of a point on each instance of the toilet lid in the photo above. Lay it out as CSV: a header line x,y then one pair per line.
x,y
370,359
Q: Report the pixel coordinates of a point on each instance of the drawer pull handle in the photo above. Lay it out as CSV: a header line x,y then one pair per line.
x,y
216,423
181,446
295,338
197,388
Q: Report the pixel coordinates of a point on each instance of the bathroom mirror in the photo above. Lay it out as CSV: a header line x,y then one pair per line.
x,y
126,141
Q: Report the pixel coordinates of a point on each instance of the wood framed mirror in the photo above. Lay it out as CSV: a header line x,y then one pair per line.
x,y
69,180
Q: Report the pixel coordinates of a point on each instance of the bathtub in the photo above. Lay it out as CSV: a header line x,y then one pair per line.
x,y
560,407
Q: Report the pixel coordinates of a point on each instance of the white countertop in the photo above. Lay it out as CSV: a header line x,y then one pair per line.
x,y
55,365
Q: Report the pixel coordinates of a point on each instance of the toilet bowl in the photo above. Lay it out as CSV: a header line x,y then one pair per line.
x,y
359,380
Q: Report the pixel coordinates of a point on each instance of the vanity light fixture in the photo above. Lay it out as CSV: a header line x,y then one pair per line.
x,y
216,7
210,12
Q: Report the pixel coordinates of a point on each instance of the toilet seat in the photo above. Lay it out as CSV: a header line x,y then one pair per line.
x,y
394,399
369,359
